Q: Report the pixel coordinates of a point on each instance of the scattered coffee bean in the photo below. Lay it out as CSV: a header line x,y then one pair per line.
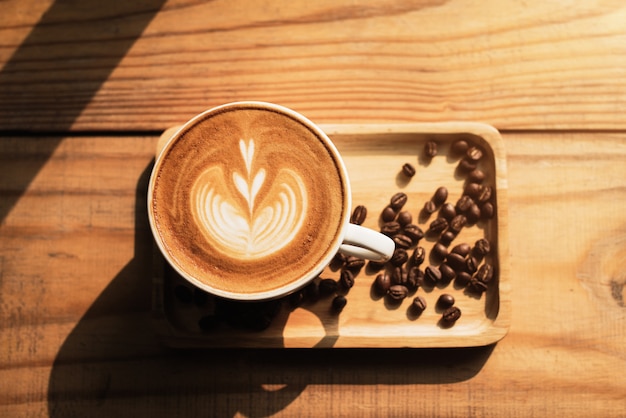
x,y
445,301
339,302
439,251
471,264
388,214
405,218
432,274
464,204
402,241
459,147
312,292
457,223
473,214
398,201
374,266
430,149
466,166
415,278
477,286
358,215
354,264
485,194
327,287
481,248
418,257
408,170
398,292
485,273
456,261
447,211
447,273
390,228
451,315
440,196
473,190
447,237
399,276
438,225
419,304
430,207
183,293
338,261
382,283
476,176
487,211
399,257
462,278
414,232
346,279
474,153
462,249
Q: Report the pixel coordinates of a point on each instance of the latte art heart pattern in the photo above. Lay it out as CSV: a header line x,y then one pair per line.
x,y
251,224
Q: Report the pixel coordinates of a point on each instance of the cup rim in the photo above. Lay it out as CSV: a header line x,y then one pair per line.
x,y
294,285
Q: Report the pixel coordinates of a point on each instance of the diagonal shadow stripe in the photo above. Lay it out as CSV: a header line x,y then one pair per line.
x,y
57,70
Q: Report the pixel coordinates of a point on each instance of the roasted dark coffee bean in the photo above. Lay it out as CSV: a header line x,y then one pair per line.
x,y
471,264
338,303
408,170
447,211
477,286
456,261
439,251
440,196
451,315
432,274
430,149
402,241
476,176
399,276
346,279
418,257
183,293
398,201
447,237
447,273
459,147
414,232
445,301
296,299
388,214
438,225
419,304
473,214
457,223
382,283
464,204
399,257
474,153
482,247
338,261
485,194
462,249
466,166
354,264
405,218
462,279
358,215
473,190
374,266
485,273
486,210
390,228
414,278
312,292
398,292
327,287
430,207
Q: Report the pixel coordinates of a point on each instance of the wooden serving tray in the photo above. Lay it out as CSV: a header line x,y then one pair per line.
x,y
374,156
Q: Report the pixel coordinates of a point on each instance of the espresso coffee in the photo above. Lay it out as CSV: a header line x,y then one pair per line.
x,y
247,199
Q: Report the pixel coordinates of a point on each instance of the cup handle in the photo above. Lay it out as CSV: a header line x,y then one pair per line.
x,y
366,243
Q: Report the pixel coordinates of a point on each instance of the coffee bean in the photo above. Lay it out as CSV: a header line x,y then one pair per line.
x,y
405,218
382,283
438,225
451,315
408,170
374,266
414,232
399,257
338,303
487,211
477,286
485,273
456,261
457,223
462,278
439,251
354,264
418,257
473,190
312,292
471,264
445,301
473,214
390,228
432,274
398,292
485,194
447,211
459,147
474,153
398,201
464,204
399,276
430,207
447,237
476,176
462,249
402,241
296,298
419,304
346,279
338,261
388,214
358,215
327,287
447,273
466,166
430,149
481,248
440,196
415,278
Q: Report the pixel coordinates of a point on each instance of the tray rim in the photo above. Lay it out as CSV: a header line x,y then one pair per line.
x,y
498,327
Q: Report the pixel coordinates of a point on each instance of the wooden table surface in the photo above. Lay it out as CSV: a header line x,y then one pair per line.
x,y
87,87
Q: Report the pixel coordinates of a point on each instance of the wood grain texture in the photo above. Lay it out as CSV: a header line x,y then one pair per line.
x,y
76,336
150,65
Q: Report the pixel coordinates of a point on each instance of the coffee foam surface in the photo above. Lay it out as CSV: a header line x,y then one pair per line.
x,y
248,200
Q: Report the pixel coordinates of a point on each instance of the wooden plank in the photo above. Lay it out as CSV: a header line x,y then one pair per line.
x,y
76,337
148,65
